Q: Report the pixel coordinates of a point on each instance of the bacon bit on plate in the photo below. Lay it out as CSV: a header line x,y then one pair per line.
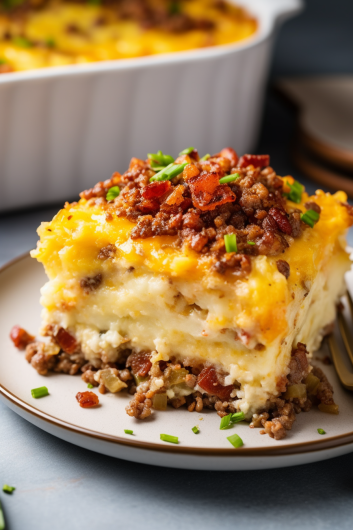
x,y
66,341
254,160
87,399
281,220
208,381
140,363
155,189
20,337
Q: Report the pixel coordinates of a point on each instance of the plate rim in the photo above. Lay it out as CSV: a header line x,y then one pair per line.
x,y
279,450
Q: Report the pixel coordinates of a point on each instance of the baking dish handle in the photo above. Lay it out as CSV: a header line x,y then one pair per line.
x,y
282,9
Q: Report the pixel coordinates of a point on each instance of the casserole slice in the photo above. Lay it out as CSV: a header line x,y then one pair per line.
x,y
198,283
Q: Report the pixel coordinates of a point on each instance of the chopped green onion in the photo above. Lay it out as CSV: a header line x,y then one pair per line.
x,y
8,489
310,217
2,519
89,385
206,157
229,178
168,438
231,243
296,191
321,431
157,168
39,392
174,8
235,440
168,173
187,151
22,42
195,429
50,43
251,243
2,61
225,422
237,417
159,159
112,193
128,431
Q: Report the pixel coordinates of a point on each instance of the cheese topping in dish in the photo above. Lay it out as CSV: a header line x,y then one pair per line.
x,y
206,280
42,33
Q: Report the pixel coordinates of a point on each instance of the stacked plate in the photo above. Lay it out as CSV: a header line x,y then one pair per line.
x,y
323,148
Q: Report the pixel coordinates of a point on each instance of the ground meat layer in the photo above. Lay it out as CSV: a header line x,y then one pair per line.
x,y
192,384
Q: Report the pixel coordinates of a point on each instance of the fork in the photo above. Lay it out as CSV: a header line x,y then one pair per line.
x,y
345,376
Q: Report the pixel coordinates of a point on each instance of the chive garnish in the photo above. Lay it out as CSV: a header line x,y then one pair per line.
x,y
225,422
195,429
228,420
128,431
168,438
229,178
160,160
112,193
89,385
22,42
251,243
310,217
206,157
168,173
39,392
50,43
296,190
321,431
8,489
231,243
2,519
237,417
235,440
187,151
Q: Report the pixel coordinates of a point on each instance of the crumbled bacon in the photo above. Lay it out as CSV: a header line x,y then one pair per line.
x,y
66,341
207,193
199,211
229,153
140,363
20,337
87,399
209,382
155,189
254,160
281,220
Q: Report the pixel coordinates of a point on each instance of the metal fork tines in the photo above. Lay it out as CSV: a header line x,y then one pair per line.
x,y
338,356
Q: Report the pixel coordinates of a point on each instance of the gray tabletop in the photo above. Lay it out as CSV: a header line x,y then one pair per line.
x,y
62,486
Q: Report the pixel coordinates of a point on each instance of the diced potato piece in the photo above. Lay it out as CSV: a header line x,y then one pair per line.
x,y
296,391
159,401
330,409
177,376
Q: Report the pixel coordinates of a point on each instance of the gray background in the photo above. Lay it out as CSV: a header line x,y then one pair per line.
x,y
61,486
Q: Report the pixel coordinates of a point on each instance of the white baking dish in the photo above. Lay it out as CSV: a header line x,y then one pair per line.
x,y
63,129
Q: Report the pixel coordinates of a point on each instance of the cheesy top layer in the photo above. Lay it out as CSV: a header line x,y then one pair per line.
x,y
64,32
69,246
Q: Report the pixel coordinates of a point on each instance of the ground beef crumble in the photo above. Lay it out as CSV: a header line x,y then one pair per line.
x,y
149,383
200,211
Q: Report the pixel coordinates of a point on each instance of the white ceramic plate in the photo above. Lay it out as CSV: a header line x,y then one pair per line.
x,y
102,429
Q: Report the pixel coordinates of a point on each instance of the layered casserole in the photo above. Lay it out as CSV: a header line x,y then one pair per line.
x,y
42,33
196,282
